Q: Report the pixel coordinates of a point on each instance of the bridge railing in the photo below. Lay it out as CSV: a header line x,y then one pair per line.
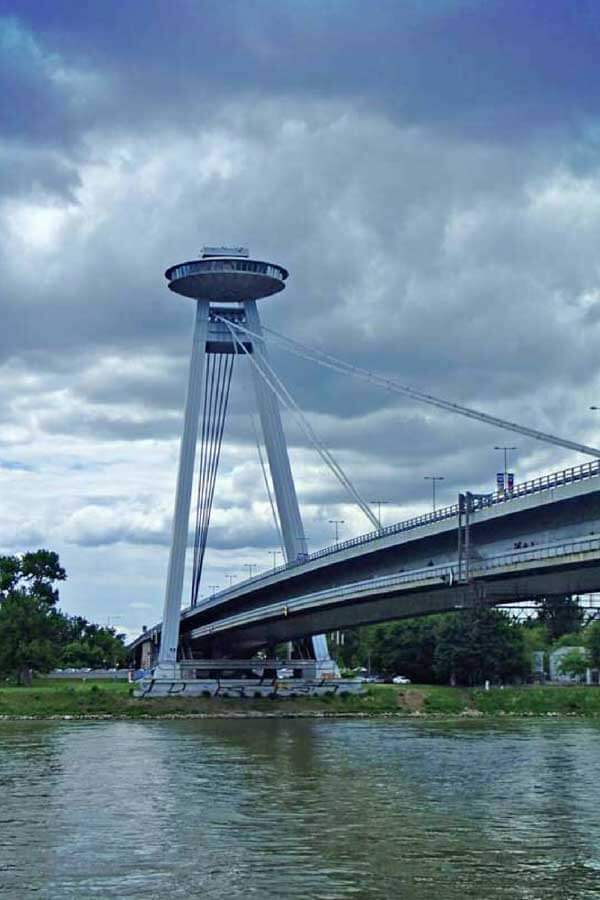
x,y
533,486
541,552
449,572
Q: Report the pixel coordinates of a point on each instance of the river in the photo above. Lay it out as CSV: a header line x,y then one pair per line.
x,y
300,809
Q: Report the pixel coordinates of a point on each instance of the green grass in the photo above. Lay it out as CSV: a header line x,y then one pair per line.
x,y
77,698
539,701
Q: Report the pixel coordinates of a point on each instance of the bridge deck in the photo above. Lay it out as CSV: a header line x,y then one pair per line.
x,y
574,553
338,569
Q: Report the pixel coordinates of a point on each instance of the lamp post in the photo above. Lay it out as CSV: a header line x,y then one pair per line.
x,y
275,554
336,523
433,479
506,451
231,578
213,588
250,567
379,503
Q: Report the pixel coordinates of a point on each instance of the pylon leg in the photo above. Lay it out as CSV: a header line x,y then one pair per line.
x,y
167,656
281,474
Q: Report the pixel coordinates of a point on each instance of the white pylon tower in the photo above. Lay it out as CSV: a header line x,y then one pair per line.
x,y
226,284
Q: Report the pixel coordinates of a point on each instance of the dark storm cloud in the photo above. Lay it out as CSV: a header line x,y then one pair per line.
x,y
399,268
490,67
415,63
35,104
25,168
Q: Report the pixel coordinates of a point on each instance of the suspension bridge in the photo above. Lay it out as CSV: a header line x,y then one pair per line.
x,y
542,537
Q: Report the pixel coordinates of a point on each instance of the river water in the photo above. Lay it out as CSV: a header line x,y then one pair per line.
x,y
300,809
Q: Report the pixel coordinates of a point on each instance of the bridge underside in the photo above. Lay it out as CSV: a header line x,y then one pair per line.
x,y
534,581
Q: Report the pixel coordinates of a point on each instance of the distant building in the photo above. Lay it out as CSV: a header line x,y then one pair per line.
x,y
555,658
537,662
537,665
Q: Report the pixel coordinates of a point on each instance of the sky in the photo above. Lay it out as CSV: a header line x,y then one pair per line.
x,y
427,170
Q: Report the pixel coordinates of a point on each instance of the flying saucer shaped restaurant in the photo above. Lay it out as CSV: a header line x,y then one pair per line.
x,y
226,279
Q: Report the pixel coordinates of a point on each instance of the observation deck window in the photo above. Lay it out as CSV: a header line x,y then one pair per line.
x,y
226,265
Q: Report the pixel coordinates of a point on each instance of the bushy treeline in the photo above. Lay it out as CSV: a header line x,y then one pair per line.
x,y
471,646
35,636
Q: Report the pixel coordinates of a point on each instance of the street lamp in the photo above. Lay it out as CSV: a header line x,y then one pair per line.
x,y
506,451
379,504
250,567
337,523
231,579
433,479
275,554
214,588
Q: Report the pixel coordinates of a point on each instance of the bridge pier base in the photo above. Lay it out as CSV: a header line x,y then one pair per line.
x,y
244,677
159,683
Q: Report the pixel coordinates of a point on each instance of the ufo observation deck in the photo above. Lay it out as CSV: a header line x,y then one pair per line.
x,y
226,279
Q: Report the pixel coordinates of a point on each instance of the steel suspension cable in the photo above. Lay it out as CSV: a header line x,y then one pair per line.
x,y
338,365
223,401
284,396
203,456
263,467
216,413
208,455
216,397
323,451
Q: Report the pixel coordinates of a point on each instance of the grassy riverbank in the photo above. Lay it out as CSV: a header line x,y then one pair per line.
x,y
49,698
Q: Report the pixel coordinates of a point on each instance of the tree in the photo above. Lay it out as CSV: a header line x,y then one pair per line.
x,y
29,636
592,641
34,634
88,645
535,639
354,652
30,626
34,573
477,645
574,663
561,614
406,648
10,571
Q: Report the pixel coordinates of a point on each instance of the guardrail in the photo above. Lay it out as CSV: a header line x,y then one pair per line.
x,y
533,486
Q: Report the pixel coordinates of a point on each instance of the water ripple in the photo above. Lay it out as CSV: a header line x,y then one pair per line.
x,y
299,808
